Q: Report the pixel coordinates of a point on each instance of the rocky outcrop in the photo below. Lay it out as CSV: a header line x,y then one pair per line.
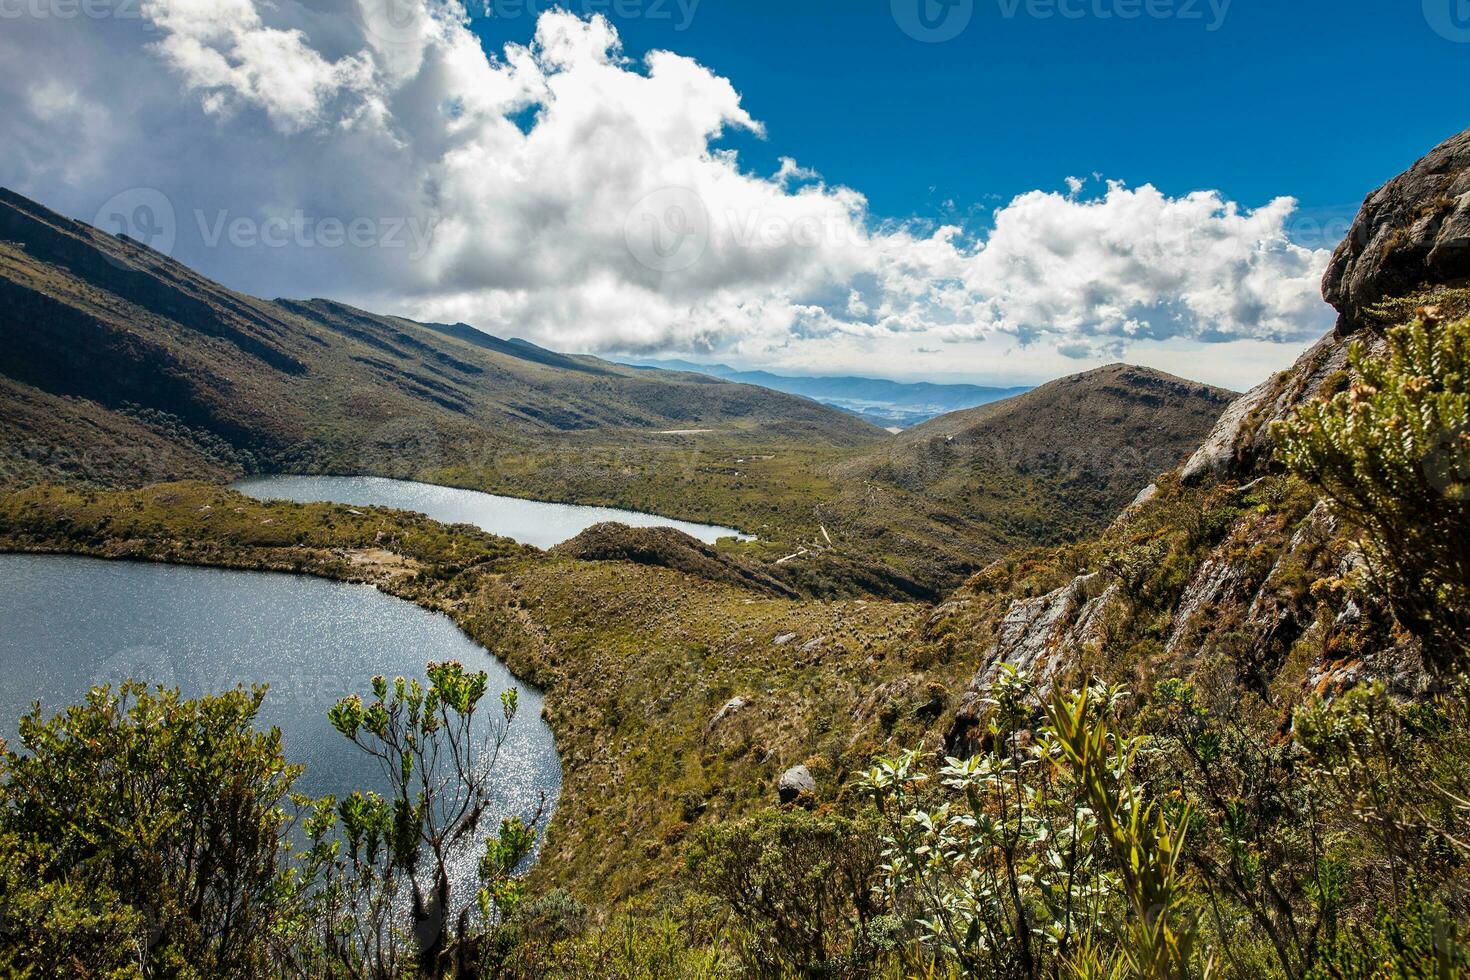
x,y
1041,638
1240,445
796,783
1216,456
1413,231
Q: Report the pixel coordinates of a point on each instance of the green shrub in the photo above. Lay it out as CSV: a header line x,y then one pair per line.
x,y
1420,941
1041,855
799,887
1393,453
144,834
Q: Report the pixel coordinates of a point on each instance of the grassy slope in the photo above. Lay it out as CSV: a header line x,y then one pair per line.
x,y
947,497
638,660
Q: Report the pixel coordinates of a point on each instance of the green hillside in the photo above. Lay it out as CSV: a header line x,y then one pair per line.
x,y
108,348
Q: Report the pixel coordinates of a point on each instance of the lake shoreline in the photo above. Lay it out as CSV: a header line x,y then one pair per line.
x,y
347,567
633,660
603,500
538,523
81,621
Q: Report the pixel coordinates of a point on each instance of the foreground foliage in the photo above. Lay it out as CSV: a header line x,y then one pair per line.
x,y
1393,453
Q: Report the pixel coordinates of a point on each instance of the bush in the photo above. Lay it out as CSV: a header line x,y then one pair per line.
x,y
1393,453
799,886
1040,856
143,833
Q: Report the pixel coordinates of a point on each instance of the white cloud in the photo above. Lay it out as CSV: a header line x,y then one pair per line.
x,y
576,197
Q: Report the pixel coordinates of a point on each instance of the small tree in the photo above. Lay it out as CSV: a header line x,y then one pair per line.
x,y
800,886
1393,454
438,767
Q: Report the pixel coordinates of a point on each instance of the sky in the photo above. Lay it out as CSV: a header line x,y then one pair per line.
x,y
995,191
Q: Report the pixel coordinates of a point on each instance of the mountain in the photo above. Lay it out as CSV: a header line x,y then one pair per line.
x,y
119,365
1055,464
892,404
1091,433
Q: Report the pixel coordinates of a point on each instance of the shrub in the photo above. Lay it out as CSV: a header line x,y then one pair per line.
x,y
798,885
1039,856
1393,453
144,833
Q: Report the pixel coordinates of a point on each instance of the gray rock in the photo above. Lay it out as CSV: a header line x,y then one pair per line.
x,y
795,783
1413,230
729,708
1040,637
1216,455
1145,495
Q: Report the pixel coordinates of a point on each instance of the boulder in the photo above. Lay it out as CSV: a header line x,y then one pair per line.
x,y
730,707
1414,230
795,783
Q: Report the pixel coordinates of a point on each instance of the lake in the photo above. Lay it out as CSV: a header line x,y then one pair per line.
x,y
532,522
71,623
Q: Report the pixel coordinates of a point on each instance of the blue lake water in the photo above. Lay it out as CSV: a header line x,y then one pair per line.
x,y
532,522
67,624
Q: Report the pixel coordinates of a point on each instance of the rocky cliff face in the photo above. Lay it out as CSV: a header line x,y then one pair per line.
x,y
1267,601
1412,232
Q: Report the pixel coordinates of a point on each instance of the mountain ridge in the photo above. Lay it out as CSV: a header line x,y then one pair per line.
x,y
98,325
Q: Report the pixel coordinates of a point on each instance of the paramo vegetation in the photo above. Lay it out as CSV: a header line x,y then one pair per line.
x,y
1224,733
1133,825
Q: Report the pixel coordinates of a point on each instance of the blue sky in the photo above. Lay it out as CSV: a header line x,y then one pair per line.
x,y
1319,100
868,186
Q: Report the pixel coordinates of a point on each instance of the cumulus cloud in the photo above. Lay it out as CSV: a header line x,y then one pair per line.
x,y
562,191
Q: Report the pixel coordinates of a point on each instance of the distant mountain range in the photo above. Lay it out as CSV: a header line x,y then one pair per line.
x,y
891,404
